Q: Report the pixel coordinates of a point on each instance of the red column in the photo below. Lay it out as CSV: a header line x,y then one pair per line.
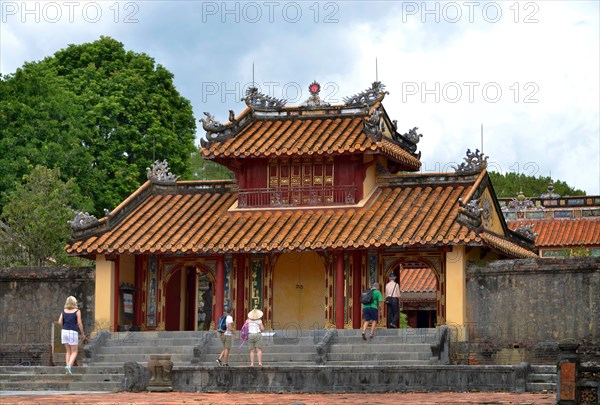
x,y
219,288
356,290
339,290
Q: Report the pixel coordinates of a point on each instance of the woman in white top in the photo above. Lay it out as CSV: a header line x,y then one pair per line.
x,y
255,327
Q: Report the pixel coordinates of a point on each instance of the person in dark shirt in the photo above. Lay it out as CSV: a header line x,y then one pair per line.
x,y
70,321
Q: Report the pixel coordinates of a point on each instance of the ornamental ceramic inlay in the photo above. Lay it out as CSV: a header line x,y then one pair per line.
x,y
314,100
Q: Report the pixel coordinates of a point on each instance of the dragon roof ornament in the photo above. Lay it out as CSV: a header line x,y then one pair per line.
x,y
408,140
527,231
473,163
210,124
159,173
254,99
373,124
82,220
369,96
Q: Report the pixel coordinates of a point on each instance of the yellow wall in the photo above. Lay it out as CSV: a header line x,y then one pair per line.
x,y
104,307
370,179
494,224
456,294
127,269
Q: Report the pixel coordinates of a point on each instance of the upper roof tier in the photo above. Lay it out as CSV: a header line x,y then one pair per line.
x,y
268,128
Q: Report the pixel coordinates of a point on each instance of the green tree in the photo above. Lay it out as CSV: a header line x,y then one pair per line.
x,y
510,184
35,220
99,113
202,169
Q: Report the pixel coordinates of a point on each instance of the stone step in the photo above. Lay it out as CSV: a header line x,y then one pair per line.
x,y
60,386
372,347
398,357
540,387
62,377
41,370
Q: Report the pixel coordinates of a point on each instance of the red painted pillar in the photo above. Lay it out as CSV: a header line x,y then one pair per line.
x,y
219,288
240,293
116,294
339,290
356,290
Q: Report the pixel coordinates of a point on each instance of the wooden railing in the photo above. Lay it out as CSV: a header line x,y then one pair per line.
x,y
296,196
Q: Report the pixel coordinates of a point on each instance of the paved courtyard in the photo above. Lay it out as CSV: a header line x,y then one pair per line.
x,y
428,398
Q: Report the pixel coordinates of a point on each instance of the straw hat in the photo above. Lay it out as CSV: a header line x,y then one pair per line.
x,y
255,314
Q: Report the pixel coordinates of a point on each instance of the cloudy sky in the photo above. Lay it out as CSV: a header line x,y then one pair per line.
x,y
527,70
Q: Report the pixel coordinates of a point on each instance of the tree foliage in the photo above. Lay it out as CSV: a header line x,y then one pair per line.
x,y
510,184
99,113
202,169
35,220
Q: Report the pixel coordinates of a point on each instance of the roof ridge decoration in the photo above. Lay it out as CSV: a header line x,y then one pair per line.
x,y
521,203
369,96
256,99
550,194
373,124
82,220
469,214
527,231
408,140
159,173
473,163
314,100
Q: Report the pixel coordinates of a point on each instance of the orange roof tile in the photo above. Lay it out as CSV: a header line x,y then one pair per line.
x,y
506,247
562,232
417,280
286,134
189,217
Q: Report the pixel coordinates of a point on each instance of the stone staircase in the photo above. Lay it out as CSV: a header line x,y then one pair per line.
x,y
102,370
541,378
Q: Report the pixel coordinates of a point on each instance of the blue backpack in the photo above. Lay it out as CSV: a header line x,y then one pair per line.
x,y
222,324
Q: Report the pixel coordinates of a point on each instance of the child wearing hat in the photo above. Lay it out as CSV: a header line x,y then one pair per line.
x,y
255,327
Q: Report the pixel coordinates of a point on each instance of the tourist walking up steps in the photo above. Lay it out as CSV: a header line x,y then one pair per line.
x,y
70,321
226,337
255,328
392,301
371,312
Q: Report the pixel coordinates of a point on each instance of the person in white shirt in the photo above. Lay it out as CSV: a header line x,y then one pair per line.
x,y
226,338
392,300
255,327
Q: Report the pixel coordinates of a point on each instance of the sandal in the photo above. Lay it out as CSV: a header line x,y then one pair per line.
x,y
364,336
371,336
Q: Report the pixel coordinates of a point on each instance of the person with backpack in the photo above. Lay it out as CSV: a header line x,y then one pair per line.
x,y
255,328
370,300
225,329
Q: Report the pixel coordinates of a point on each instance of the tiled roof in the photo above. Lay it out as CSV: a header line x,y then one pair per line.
x,y
506,247
562,232
306,135
182,219
417,280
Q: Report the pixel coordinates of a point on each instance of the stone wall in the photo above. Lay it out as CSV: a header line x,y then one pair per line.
x,y
31,299
519,310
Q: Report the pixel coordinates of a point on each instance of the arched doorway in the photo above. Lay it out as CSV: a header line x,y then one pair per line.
x,y
299,291
419,292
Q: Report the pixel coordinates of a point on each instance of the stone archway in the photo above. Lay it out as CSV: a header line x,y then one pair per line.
x,y
299,291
